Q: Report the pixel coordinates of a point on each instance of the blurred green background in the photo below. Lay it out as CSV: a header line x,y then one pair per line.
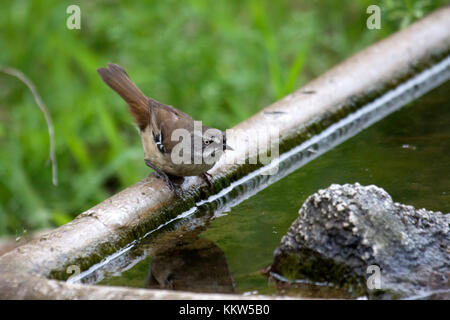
x,y
220,61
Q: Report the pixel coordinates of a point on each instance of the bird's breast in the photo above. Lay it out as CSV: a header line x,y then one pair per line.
x,y
164,160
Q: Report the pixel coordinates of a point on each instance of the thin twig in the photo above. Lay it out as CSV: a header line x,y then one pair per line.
x,y
18,74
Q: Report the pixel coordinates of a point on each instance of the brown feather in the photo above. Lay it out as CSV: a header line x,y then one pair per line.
x,y
163,119
116,78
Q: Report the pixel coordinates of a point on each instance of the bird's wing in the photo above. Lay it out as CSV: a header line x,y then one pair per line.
x,y
165,119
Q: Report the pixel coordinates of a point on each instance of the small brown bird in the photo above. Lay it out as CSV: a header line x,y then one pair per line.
x,y
174,144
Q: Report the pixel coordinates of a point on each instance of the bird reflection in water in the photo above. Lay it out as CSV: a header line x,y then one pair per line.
x,y
197,265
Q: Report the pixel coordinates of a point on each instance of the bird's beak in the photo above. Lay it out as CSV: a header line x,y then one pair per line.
x,y
227,147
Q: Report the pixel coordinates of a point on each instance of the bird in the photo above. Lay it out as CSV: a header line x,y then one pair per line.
x,y
174,144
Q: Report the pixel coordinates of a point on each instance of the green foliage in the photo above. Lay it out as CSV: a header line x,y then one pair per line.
x,y
219,61
403,13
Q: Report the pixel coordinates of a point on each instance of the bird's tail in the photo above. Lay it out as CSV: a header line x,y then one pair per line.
x,y
116,77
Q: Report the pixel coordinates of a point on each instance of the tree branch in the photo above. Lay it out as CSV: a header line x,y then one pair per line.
x,y
18,74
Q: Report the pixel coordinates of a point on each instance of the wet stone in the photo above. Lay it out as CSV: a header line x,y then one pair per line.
x,y
355,237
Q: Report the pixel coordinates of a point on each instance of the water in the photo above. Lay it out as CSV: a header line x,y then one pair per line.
x,y
407,154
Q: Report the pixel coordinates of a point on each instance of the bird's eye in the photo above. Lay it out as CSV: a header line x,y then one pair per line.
x,y
207,141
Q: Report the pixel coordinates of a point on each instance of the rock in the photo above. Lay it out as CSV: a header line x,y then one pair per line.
x,y
356,237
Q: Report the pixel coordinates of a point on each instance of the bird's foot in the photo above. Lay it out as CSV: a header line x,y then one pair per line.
x,y
164,176
172,186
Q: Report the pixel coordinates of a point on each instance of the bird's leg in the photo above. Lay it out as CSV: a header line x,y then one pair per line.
x,y
206,176
162,175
